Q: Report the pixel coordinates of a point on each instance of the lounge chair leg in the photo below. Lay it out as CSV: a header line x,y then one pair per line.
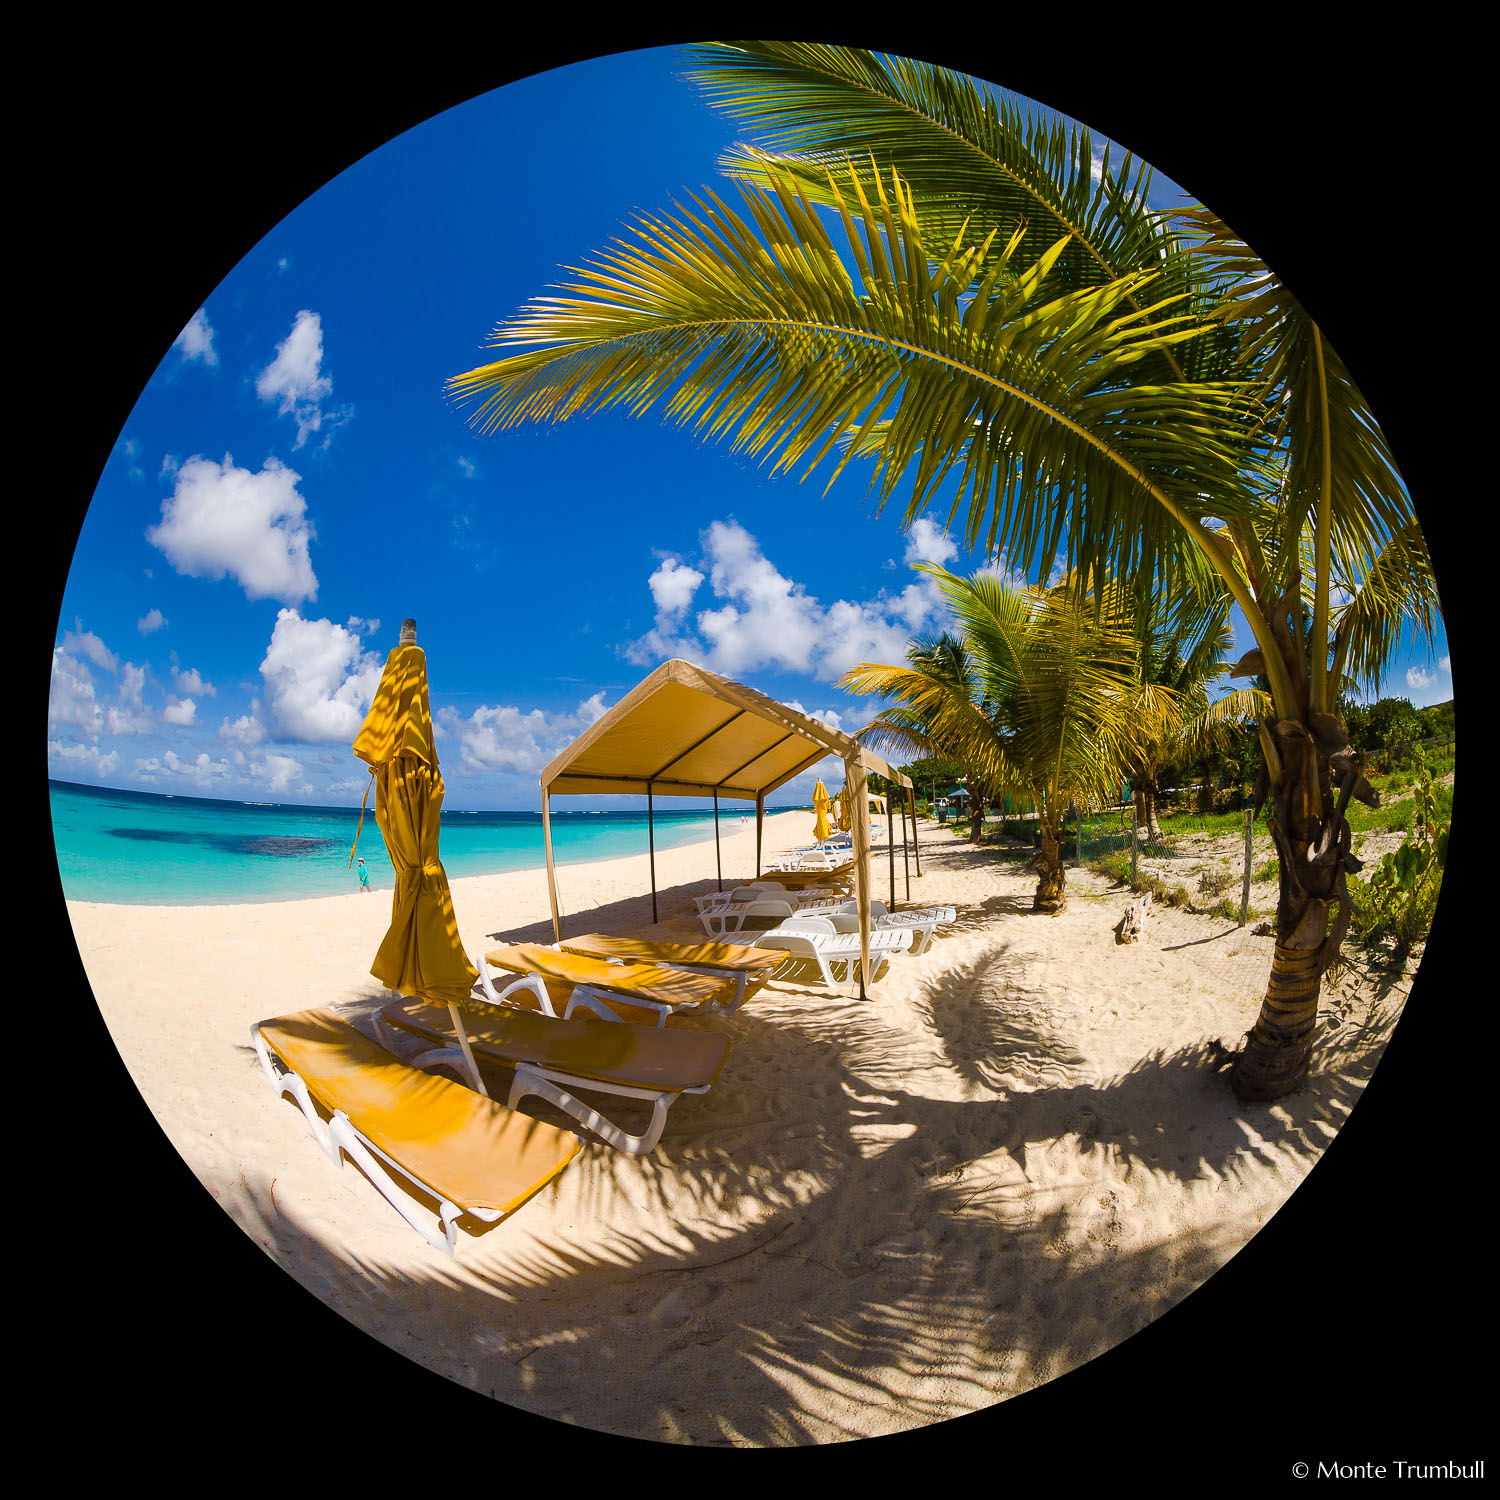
x,y
380,1179
530,1080
531,983
585,997
284,1081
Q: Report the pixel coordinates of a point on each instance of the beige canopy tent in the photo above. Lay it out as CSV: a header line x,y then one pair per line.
x,y
687,732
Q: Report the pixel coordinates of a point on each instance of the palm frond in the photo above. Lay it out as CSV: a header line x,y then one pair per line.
x,y
1391,594
752,328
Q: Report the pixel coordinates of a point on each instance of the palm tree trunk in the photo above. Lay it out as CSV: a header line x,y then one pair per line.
x,y
1051,887
1312,911
1145,806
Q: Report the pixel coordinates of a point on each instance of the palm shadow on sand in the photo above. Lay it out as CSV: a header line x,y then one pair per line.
x,y
821,1219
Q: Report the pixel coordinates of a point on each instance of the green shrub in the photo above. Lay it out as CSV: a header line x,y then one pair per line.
x,y
1215,880
1228,908
1269,870
1398,899
1179,896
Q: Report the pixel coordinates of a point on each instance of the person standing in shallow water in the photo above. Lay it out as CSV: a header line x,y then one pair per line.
x,y
364,879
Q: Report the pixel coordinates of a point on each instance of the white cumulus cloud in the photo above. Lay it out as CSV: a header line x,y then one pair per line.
x,y
319,684
77,758
222,519
765,619
672,586
280,773
506,738
83,642
129,714
296,382
928,542
152,620
247,730
191,681
180,711
72,701
196,341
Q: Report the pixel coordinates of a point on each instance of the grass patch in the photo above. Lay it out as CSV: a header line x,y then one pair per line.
x,y
1115,867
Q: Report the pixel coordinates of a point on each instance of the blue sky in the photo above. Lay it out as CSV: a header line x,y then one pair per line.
x,y
292,483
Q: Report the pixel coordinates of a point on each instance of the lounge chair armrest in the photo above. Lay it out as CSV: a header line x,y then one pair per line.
x,y
807,924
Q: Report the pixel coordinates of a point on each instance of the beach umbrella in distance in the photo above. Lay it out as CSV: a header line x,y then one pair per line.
x,y
421,953
846,811
821,828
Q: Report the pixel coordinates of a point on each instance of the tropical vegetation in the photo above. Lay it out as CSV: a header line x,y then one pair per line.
x,y
1078,379
1035,697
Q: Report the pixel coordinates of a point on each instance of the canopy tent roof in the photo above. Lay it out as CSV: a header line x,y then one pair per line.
x,y
687,732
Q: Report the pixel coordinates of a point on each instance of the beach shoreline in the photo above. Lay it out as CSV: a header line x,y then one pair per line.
x,y
1014,1156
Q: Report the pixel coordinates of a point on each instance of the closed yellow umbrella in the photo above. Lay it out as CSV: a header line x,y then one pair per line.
x,y
821,828
846,812
421,954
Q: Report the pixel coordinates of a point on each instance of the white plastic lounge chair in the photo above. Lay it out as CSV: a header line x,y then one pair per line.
x,y
722,921
471,1153
814,938
597,985
769,890
754,891
923,921
729,919
554,1058
746,966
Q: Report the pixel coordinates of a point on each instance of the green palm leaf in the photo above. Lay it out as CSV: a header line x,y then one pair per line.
x,y
752,327
970,156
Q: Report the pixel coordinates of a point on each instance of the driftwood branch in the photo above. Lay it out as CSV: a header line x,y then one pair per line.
x,y
1130,927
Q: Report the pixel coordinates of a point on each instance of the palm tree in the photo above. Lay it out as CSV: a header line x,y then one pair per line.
x,y
943,662
1184,645
1042,707
1079,377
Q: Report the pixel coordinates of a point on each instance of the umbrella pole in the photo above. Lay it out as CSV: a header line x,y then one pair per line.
x,y
916,843
760,814
551,869
651,845
718,857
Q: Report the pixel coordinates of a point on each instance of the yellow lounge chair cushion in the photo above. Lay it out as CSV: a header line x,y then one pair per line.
x,y
467,1148
797,879
638,1056
669,986
735,956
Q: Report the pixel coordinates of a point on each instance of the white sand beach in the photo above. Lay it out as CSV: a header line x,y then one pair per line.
x,y
886,1213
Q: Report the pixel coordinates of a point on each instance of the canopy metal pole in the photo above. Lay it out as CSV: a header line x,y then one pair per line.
x,y
858,789
905,858
916,843
551,871
651,845
760,814
890,839
718,858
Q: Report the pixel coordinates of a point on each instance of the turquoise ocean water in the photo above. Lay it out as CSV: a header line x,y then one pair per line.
x,y
176,851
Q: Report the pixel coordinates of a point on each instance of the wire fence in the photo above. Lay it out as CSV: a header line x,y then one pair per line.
x,y
1223,865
